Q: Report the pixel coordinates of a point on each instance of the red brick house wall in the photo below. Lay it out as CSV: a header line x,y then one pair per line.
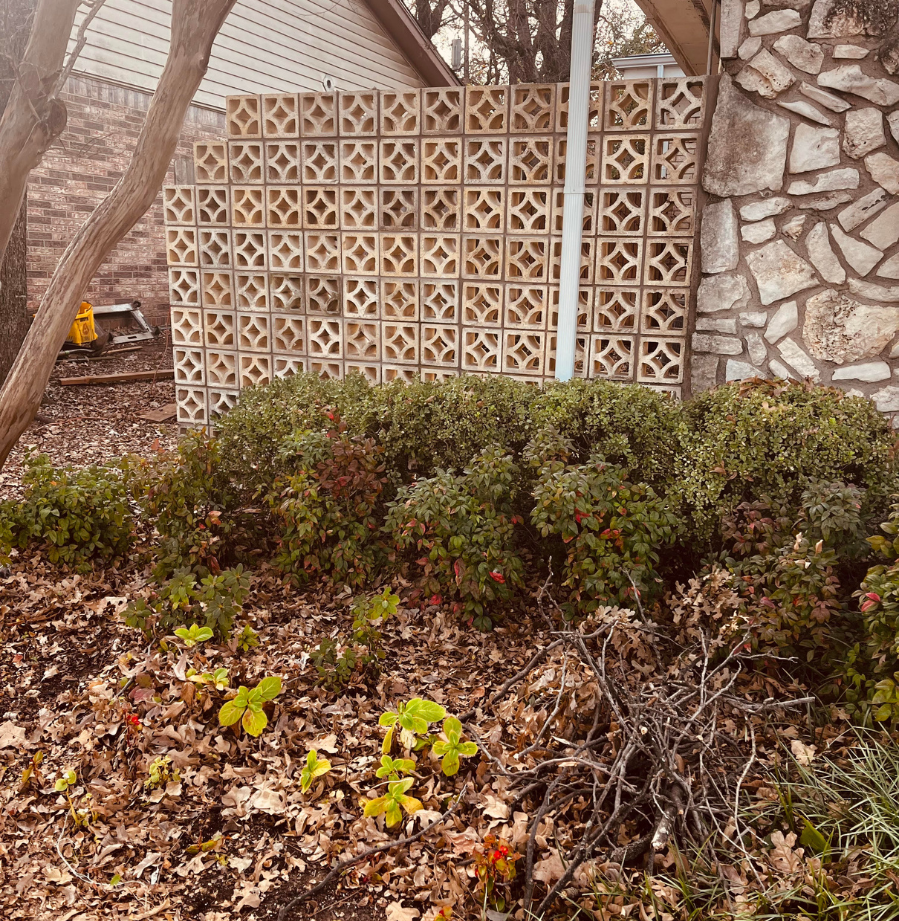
x,y
75,176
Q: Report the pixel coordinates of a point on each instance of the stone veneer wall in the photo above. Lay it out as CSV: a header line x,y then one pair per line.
x,y
417,234
799,255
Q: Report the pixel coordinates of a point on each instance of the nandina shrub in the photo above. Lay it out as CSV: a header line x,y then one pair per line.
x,y
787,565
612,532
327,507
194,507
458,532
752,439
71,514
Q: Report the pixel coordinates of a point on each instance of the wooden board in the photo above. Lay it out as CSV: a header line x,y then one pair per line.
x,y
163,414
165,374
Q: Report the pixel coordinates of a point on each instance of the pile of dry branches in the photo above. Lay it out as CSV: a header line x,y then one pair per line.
x,y
646,734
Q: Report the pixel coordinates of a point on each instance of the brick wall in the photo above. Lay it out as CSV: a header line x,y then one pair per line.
x,y
75,176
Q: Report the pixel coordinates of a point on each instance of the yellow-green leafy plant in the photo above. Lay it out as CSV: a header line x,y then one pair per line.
x,y
394,767
413,718
246,707
393,802
453,748
193,635
160,773
315,767
218,678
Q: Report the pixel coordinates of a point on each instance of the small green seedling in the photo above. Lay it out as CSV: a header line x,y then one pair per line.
x,y
66,780
413,719
218,679
393,768
315,767
193,634
247,639
454,748
393,802
161,773
246,707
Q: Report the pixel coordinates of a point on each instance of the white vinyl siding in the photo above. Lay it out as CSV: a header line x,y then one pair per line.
x,y
265,46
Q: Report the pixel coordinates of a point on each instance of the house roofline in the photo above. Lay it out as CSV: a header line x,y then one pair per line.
x,y
401,26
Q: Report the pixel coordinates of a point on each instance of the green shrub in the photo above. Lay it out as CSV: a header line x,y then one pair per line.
x,y
611,529
428,426
633,427
327,508
744,441
72,514
459,531
253,433
786,568
214,602
194,507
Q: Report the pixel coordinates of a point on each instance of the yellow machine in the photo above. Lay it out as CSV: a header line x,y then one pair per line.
x,y
83,331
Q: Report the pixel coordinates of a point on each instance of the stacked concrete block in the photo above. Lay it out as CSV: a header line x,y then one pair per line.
x,y
800,240
417,234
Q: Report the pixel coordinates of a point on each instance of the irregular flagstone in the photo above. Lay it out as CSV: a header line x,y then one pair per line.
x,y
873,292
827,202
793,228
722,292
887,400
838,328
870,372
718,345
822,97
893,122
833,181
747,149
759,232
884,171
779,369
765,75
755,319
777,21
863,132
842,25
752,8
801,54
890,268
822,256
731,22
779,272
853,52
756,348
806,110
859,211
704,372
740,371
850,78
814,148
784,321
859,255
883,231
768,207
794,355
719,243
749,49
716,325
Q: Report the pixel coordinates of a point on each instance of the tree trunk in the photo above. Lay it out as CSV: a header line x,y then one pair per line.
x,y
33,117
195,24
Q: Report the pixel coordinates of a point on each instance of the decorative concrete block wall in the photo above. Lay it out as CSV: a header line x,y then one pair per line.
x,y
417,234
800,235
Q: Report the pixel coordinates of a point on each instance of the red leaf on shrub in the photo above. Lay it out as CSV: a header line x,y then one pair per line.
x,y
498,577
868,605
578,517
873,596
458,570
436,599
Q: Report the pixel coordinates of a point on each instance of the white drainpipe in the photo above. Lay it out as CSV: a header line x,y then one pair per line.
x,y
575,174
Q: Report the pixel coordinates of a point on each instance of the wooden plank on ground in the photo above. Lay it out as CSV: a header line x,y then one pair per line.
x,y
163,414
164,374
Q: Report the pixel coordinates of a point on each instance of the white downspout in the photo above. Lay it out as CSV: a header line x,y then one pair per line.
x,y
575,174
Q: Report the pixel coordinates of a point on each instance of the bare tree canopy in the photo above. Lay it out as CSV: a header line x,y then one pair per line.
x,y
529,41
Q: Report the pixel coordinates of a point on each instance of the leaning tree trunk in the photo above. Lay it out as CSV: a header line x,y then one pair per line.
x,y
34,117
195,24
